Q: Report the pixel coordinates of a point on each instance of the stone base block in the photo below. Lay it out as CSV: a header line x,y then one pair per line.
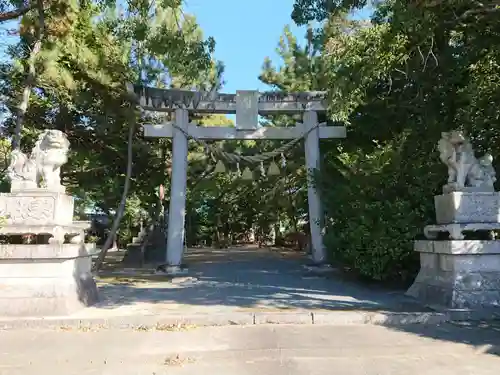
x,y
467,207
35,297
457,231
133,256
36,207
44,280
461,274
173,270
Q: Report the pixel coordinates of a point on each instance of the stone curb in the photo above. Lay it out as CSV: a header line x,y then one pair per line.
x,y
485,314
226,319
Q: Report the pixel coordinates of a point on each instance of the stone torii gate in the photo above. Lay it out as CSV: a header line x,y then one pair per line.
x,y
247,105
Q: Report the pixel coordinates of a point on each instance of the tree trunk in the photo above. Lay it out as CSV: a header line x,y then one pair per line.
x,y
121,208
30,78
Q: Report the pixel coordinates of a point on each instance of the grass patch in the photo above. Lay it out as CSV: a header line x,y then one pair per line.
x,y
83,328
176,327
130,279
177,360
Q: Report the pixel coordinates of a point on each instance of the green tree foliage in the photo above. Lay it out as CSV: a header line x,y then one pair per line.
x,y
89,51
301,69
419,68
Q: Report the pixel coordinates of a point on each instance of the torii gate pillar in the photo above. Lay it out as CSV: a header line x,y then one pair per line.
x,y
312,152
178,182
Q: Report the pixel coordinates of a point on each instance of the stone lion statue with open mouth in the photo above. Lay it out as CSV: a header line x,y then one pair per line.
x,y
42,169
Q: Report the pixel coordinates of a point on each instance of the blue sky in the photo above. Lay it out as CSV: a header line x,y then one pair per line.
x,y
245,33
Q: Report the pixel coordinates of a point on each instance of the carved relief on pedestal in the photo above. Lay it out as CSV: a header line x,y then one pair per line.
x,y
32,210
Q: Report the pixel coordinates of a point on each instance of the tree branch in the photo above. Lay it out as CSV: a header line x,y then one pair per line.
x,y
10,15
121,208
483,10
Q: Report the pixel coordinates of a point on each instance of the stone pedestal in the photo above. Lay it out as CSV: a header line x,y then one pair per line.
x,y
458,274
461,270
460,260
44,280
48,273
467,207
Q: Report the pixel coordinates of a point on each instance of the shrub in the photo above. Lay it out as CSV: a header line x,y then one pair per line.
x,y
377,203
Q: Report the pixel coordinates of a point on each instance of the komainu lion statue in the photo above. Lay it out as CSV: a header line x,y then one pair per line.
x,y
465,171
42,168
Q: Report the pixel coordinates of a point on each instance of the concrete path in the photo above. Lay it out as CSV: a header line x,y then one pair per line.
x,y
246,279
263,350
245,289
240,286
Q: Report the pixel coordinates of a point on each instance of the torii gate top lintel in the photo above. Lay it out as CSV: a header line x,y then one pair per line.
x,y
266,103
246,104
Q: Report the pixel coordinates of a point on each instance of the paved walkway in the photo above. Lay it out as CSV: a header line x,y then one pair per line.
x,y
263,350
242,279
241,282
242,286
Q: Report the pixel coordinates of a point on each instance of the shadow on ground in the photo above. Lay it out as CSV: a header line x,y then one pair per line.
x,y
252,279
245,279
485,337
